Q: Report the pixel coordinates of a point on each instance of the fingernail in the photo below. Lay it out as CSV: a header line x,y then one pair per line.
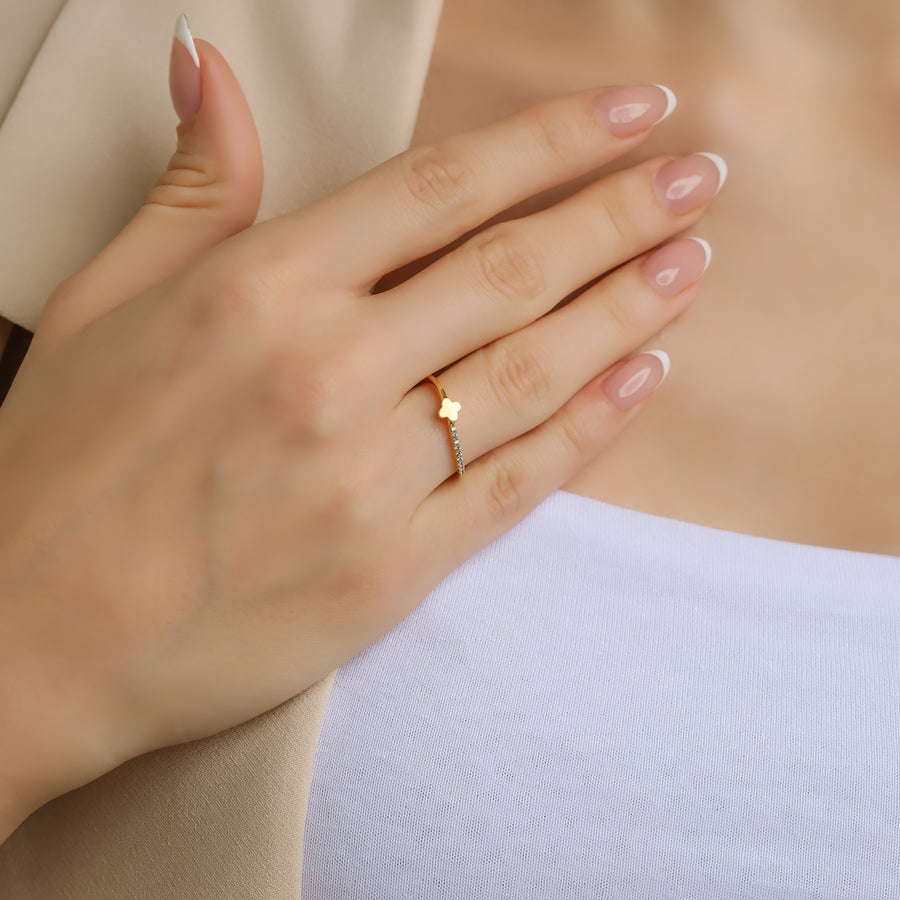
x,y
637,378
686,184
630,110
184,73
671,268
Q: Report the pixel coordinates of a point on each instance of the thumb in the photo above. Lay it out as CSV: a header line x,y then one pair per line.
x,y
210,190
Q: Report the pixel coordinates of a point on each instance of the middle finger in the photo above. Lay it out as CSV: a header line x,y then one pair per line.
x,y
514,272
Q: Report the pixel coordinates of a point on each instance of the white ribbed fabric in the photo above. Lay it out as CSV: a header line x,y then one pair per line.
x,y
605,703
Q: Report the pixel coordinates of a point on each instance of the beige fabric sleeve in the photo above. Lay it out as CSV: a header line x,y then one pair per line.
x,y
334,87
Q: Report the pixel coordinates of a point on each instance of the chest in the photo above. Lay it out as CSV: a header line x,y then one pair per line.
x,y
784,370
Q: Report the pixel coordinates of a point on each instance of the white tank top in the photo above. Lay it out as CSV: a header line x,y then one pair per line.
x,y
607,703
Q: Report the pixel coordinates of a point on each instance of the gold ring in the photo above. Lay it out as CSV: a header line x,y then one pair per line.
x,y
450,410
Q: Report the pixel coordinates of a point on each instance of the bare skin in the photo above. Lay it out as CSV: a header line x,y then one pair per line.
x,y
780,417
142,440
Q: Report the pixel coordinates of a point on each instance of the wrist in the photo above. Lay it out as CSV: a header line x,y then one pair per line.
x,y
12,811
19,763
41,757
50,740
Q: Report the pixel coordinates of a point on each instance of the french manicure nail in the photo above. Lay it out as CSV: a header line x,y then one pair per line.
x,y
720,164
184,73
629,110
637,378
685,184
671,268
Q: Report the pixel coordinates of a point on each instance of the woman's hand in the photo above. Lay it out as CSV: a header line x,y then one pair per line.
x,y
217,491
210,190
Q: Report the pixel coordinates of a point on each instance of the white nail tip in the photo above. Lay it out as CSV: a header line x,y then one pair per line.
x,y
663,357
706,249
720,164
671,102
183,34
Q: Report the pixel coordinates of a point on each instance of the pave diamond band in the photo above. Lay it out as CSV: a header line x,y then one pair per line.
x,y
450,410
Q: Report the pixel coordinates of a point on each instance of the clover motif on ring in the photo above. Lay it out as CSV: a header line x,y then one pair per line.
x,y
449,409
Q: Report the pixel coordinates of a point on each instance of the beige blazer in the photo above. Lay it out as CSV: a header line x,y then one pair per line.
x,y
334,86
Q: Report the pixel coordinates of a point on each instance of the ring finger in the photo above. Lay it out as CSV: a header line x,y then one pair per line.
x,y
514,272
516,383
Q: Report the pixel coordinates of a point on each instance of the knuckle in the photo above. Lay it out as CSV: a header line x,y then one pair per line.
x,y
349,502
439,180
387,580
313,384
189,169
579,434
508,265
197,181
237,301
560,136
217,316
517,377
308,393
615,222
355,507
373,587
505,496
622,313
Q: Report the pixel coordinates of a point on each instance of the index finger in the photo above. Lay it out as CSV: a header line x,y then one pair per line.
x,y
422,199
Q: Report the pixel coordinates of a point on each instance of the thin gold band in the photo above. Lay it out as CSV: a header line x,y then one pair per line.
x,y
450,410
